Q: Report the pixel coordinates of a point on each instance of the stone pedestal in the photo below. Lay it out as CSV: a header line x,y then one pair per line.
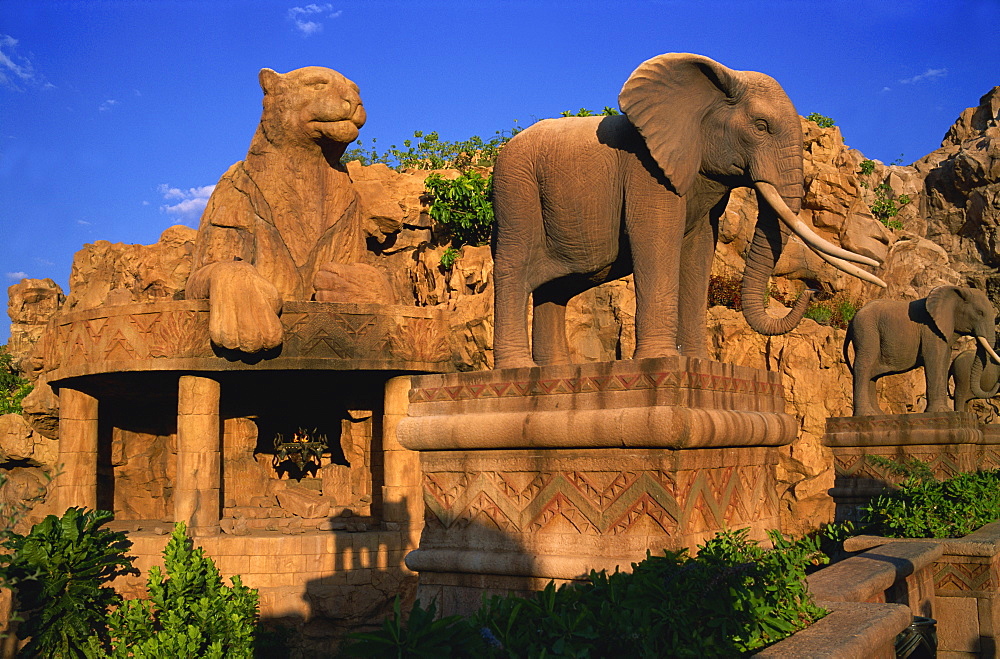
x,y
950,442
547,473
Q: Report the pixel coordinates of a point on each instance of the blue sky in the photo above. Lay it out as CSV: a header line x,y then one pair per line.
x,y
117,117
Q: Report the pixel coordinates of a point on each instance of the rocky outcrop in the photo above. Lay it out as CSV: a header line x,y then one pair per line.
x,y
107,273
30,305
963,193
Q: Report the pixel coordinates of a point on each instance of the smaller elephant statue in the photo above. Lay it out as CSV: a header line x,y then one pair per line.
x,y
974,377
896,336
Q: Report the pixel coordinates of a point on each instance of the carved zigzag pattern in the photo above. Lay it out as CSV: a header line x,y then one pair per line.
x,y
626,382
601,503
944,465
962,576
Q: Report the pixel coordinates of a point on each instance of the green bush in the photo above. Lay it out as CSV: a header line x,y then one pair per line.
x,y
59,573
190,611
820,120
462,206
13,387
429,151
924,507
608,111
734,597
837,311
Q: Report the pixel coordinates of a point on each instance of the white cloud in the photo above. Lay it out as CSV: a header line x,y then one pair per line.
x,y
886,89
17,276
190,202
107,105
307,19
84,223
16,68
929,74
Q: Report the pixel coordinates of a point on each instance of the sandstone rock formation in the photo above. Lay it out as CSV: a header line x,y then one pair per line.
x,y
30,305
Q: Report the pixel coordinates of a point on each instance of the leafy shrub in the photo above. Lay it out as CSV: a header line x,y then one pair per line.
x,y
462,206
821,120
59,573
419,636
836,311
189,613
13,387
886,206
449,257
608,111
924,507
734,597
429,151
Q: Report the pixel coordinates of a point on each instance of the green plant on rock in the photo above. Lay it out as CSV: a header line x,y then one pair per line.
x,y
13,387
608,111
462,207
449,256
820,120
428,151
923,506
735,596
190,611
59,573
886,205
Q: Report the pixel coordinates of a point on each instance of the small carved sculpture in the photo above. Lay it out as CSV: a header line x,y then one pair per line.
x,y
583,200
286,214
895,336
975,377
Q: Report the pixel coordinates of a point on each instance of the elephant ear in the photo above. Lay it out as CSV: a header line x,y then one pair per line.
x,y
942,302
666,99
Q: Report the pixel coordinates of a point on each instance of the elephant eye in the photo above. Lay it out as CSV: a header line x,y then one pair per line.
x,y
761,126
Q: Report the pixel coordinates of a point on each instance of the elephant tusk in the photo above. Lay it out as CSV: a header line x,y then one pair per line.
x,y
988,348
808,236
851,269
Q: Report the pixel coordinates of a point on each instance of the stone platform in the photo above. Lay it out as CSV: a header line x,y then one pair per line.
x,y
950,442
547,473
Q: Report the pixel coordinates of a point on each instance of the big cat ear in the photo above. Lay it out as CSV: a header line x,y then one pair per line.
x,y
666,99
269,80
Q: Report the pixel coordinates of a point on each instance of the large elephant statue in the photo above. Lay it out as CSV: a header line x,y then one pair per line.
x,y
975,377
895,336
583,200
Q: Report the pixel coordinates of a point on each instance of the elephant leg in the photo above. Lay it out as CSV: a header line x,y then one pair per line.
x,y
865,374
697,251
936,375
654,221
548,326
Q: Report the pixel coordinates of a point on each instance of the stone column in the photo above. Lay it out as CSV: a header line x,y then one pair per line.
x,y
199,459
76,484
402,492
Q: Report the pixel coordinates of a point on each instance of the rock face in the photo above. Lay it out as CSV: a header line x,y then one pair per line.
x,y
30,305
947,233
107,273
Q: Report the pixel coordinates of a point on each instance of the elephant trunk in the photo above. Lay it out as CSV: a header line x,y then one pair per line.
x,y
769,239
976,376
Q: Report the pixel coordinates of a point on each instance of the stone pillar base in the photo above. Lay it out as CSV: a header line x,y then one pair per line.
x,y
547,473
950,442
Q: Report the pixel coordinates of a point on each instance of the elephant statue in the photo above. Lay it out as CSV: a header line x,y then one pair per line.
x,y
896,336
583,200
974,377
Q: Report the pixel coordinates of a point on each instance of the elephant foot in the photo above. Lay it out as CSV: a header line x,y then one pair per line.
x,y
869,411
525,362
655,353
